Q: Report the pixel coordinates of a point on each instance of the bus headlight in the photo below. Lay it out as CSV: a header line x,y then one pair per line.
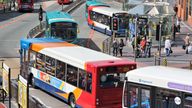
x,y
97,101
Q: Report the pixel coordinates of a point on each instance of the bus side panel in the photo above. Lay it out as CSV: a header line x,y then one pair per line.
x,y
101,28
55,86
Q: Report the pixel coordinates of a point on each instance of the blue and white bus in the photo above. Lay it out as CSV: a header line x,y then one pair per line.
x,y
157,87
61,25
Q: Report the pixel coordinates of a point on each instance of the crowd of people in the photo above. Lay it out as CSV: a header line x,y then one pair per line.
x,y
142,46
142,49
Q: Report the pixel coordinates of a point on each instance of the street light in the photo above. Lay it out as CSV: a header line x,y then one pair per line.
x,y
135,46
160,23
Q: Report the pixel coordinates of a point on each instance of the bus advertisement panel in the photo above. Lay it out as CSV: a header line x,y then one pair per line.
x,y
6,77
22,92
82,79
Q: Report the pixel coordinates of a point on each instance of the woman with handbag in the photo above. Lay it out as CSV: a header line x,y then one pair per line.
x,y
168,49
187,42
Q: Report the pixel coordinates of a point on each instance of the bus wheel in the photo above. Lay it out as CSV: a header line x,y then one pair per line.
x,y
72,101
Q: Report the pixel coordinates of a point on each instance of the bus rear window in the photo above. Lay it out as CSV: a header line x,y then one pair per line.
x,y
112,80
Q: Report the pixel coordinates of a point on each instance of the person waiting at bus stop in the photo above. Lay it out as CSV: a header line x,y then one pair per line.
x,y
168,46
121,45
115,46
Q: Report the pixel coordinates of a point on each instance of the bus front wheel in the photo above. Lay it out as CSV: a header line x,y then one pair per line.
x,y
72,101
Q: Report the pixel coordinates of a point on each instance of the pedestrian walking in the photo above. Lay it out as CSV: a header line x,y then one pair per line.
x,y
121,45
167,48
174,31
148,47
143,43
187,42
178,24
115,46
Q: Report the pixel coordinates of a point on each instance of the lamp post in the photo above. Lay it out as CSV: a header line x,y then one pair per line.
x,y
135,39
160,23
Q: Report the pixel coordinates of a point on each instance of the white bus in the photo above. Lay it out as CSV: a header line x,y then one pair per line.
x,y
157,87
101,18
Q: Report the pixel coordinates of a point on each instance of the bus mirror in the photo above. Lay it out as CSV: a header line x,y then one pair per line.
x,y
125,78
78,31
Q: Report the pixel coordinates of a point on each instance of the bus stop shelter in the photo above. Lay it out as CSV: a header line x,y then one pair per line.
x,y
154,12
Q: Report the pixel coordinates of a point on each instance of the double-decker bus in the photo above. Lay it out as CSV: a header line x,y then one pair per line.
x,y
64,1
82,77
158,87
25,5
61,25
103,19
93,3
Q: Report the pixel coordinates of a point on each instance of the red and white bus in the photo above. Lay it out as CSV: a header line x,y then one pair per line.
x,y
108,20
25,5
80,76
64,1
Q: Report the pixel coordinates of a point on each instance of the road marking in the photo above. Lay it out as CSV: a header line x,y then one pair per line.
x,y
15,20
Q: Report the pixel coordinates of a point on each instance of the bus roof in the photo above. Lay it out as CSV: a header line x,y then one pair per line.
x,y
107,10
59,16
72,54
165,77
96,3
25,43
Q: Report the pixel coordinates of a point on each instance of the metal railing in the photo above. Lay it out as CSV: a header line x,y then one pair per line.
x,y
37,30
185,64
106,45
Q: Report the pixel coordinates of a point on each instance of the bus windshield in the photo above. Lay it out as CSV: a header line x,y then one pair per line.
x,y
64,30
112,80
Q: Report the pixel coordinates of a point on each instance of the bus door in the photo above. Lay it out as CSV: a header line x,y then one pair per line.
x,y
139,96
24,62
167,99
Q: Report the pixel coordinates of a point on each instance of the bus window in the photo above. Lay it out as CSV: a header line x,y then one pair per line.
x,y
133,93
60,70
111,80
85,81
40,62
82,79
32,58
50,66
188,101
145,98
72,75
89,82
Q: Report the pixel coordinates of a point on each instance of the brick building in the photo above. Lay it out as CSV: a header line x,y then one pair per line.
x,y
185,10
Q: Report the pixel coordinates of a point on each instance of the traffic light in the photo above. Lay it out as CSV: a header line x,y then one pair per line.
x,y
115,23
157,32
